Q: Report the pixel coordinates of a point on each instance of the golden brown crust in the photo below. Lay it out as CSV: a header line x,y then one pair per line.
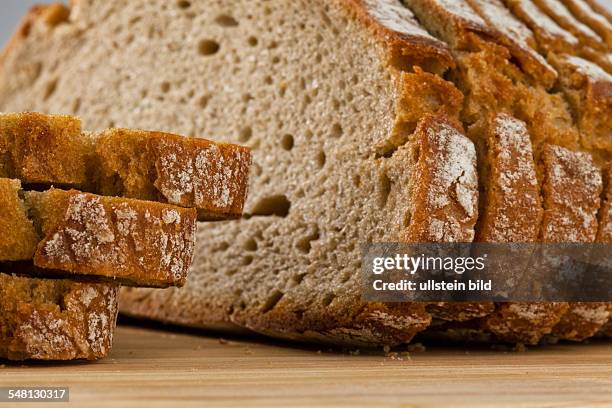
x,y
599,8
188,172
571,188
445,188
524,322
55,319
518,38
512,207
550,36
408,44
571,192
43,149
513,213
582,320
133,242
583,12
604,234
562,16
455,21
19,238
588,88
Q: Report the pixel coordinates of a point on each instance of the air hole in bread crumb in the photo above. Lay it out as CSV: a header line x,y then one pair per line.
x,y
304,244
165,86
252,41
203,101
247,260
50,89
268,80
384,189
297,279
208,47
357,180
245,134
76,106
328,298
231,272
225,20
272,301
321,159
277,205
250,245
287,142
183,4
223,246
336,130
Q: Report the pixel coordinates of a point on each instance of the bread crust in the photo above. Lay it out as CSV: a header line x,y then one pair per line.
x,y
70,233
571,192
406,42
19,238
261,325
45,149
55,319
513,213
132,242
189,172
588,16
518,38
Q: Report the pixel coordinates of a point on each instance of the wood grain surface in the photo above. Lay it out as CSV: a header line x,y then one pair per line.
x,y
152,368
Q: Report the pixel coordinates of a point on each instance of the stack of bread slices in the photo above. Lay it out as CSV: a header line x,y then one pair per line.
x,y
370,121
84,213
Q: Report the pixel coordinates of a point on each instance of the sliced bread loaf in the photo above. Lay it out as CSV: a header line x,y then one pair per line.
x,y
328,94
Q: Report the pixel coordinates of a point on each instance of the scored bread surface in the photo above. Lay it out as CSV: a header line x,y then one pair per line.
x,y
328,95
55,319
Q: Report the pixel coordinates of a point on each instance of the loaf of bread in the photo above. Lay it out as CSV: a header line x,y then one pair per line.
x,y
47,319
359,114
70,233
53,150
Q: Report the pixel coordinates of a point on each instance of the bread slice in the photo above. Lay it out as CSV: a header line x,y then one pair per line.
x,y
588,88
55,319
562,16
53,150
571,192
70,233
513,213
518,38
583,11
42,149
19,238
604,234
320,91
550,36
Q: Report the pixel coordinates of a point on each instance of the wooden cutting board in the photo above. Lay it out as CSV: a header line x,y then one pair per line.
x,y
150,368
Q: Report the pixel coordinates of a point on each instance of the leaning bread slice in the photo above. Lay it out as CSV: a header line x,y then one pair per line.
x,y
48,319
588,88
600,24
571,191
82,235
189,172
513,213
